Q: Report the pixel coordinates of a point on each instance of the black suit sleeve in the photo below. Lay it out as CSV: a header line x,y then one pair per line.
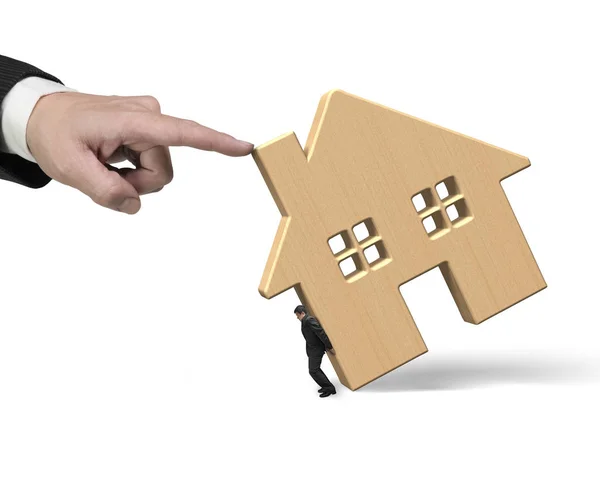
x,y
13,167
320,332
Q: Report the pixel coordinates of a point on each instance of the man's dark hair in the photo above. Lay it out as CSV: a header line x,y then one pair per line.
x,y
300,309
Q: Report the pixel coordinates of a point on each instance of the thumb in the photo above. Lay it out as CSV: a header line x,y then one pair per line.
x,y
105,187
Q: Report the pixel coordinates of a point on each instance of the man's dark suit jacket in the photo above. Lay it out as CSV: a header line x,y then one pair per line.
x,y
13,167
316,338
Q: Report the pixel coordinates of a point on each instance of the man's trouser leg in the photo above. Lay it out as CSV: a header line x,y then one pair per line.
x,y
314,369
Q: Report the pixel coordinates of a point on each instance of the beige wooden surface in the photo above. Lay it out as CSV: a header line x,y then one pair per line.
x,y
365,162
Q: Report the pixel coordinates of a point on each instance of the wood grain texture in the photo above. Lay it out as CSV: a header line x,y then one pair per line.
x,y
364,163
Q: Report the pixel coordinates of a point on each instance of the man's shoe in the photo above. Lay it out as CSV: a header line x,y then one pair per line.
x,y
321,390
326,393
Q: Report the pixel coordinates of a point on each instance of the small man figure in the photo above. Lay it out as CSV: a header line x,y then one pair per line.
x,y
316,344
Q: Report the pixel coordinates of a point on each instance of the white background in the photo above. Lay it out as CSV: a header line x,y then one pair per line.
x,y
139,347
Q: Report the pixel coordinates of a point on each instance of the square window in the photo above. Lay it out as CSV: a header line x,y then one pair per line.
x,y
435,226
458,213
423,200
447,188
452,212
364,230
442,190
348,266
429,224
361,232
376,255
371,254
337,243
352,267
419,202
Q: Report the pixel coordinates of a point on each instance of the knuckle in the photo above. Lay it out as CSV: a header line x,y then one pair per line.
x,y
163,177
150,102
191,123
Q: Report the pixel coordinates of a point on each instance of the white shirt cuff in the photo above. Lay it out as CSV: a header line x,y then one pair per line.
x,y
16,109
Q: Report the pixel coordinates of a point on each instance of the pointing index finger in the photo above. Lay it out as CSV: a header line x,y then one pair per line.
x,y
157,129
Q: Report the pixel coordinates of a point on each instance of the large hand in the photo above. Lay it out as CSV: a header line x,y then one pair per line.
x,y
74,137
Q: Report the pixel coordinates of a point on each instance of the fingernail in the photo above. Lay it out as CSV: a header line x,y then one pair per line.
x,y
245,143
129,206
